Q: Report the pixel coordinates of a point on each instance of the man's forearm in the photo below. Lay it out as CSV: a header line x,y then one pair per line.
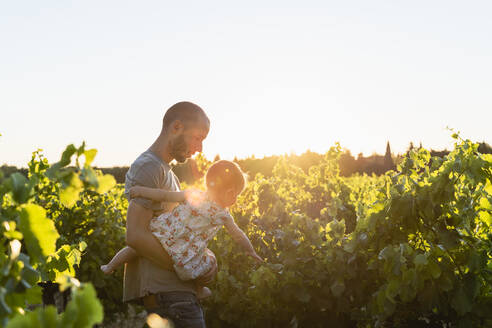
x,y
162,195
141,239
146,245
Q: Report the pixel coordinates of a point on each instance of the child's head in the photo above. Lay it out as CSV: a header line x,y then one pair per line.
x,y
225,181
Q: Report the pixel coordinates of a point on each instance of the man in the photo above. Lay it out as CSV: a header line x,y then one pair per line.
x,y
151,278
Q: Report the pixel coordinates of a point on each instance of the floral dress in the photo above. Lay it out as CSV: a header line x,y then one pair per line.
x,y
185,232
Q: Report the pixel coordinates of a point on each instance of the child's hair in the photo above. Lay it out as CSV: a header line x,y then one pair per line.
x,y
223,175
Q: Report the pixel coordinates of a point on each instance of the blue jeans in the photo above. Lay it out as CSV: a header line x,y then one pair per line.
x,y
182,308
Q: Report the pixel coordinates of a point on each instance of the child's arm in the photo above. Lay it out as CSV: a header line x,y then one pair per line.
x,y
240,237
125,255
157,194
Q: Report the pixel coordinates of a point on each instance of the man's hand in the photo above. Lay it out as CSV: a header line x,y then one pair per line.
x,y
135,192
208,277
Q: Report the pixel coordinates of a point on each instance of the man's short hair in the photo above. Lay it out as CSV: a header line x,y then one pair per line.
x,y
186,112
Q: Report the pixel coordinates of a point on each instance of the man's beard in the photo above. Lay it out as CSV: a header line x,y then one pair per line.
x,y
179,150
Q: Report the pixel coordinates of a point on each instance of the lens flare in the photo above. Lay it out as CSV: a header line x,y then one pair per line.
x,y
194,197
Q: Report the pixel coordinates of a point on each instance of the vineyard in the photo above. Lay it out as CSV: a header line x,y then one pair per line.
x,y
411,248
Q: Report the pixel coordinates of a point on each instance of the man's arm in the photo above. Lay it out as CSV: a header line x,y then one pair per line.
x,y
157,194
141,239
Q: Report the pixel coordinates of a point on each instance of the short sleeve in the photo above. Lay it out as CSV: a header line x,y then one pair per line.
x,y
220,217
146,174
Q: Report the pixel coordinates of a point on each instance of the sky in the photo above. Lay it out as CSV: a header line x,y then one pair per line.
x,y
274,77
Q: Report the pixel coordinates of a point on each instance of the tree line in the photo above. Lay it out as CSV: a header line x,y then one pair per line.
x,y
348,164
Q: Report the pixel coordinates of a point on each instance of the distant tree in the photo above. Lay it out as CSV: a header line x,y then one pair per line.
x,y
348,164
388,159
410,147
8,170
439,153
484,148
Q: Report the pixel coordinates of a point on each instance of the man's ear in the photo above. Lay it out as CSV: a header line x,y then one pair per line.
x,y
177,127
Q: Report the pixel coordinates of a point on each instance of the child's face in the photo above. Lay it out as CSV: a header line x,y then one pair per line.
x,y
229,197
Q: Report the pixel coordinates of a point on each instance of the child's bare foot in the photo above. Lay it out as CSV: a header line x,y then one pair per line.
x,y
203,292
107,269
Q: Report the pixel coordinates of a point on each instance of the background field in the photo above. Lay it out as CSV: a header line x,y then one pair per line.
x,y
408,248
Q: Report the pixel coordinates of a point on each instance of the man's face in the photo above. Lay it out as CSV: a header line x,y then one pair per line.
x,y
188,142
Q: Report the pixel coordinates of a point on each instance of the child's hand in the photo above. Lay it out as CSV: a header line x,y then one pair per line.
x,y
135,192
193,197
188,195
255,256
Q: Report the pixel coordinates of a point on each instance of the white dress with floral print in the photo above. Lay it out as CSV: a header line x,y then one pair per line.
x,y
185,232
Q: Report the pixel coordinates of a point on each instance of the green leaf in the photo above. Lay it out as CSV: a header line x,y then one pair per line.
x,y
28,273
82,246
89,156
387,253
66,281
445,283
105,183
420,260
337,288
33,295
67,155
350,245
472,285
474,261
20,186
89,176
486,218
41,317
386,307
392,290
488,185
484,203
54,170
461,302
48,316
449,238
408,292
70,193
84,310
39,232
434,269
409,276
13,234
69,196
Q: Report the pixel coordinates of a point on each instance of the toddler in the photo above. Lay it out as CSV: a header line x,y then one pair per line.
x,y
186,230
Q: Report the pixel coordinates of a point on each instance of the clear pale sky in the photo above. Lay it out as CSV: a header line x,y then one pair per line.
x,y
274,76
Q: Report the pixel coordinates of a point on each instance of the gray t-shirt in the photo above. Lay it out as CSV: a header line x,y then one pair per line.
x,y
143,277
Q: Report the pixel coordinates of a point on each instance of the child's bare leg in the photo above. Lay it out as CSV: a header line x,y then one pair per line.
x,y
126,254
202,292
